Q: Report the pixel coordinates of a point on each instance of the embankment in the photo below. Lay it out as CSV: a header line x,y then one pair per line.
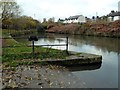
x,y
111,29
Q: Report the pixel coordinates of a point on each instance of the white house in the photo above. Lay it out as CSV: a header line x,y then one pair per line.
x,y
75,19
119,8
115,15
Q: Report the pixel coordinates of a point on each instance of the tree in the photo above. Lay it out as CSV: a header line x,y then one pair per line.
x,y
112,14
93,17
97,18
51,20
112,11
24,22
60,20
44,20
9,11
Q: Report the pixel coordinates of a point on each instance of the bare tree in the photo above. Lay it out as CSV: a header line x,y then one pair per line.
x,y
9,10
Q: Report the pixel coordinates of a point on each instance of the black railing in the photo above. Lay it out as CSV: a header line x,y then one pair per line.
x,y
35,38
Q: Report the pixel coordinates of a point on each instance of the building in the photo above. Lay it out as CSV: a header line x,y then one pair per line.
x,y
119,8
114,14
75,19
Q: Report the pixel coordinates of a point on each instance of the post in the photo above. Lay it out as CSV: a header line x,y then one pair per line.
x,y
33,47
67,44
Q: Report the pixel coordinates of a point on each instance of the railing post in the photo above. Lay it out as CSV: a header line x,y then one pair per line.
x,y
33,38
67,44
33,47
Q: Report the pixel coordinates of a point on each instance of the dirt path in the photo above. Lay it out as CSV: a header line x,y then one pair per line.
x,y
36,76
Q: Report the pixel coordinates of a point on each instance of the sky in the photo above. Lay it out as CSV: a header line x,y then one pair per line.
x,y
39,9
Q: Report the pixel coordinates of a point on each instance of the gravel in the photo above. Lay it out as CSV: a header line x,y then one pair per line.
x,y
37,76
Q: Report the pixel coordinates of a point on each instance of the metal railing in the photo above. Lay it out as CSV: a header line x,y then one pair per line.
x,y
35,38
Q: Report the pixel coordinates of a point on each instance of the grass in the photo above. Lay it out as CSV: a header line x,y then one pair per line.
x,y
6,32
14,56
10,54
11,42
15,53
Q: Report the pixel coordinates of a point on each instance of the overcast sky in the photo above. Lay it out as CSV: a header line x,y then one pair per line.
x,y
40,9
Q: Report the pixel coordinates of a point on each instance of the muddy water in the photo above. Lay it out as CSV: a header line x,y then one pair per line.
x,y
95,76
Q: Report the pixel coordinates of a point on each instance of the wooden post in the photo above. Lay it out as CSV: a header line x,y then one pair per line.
x,y
67,44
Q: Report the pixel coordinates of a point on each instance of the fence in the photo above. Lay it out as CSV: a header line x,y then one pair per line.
x,y
35,38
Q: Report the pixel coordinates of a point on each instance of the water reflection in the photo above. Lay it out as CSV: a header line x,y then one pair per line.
x,y
103,43
84,67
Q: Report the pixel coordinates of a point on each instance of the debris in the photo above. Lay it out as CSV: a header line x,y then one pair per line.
x,y
40,83
51,83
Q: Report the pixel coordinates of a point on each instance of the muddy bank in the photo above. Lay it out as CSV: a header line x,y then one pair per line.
x,y
111,29
37,76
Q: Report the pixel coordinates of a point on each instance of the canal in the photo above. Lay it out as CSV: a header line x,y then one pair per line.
x,y
96,76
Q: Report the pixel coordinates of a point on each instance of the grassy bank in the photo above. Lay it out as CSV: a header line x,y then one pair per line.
x,y
6,33
15,53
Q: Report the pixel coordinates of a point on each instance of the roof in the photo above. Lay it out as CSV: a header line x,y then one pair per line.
x,y
74,17
114,14
61,20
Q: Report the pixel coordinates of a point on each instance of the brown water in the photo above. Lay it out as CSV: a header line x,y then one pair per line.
x,y
96,76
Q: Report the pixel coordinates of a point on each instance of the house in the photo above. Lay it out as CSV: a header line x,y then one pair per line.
x,y
114,14
75,19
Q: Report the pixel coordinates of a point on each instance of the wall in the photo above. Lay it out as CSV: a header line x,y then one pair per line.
x,y
81,19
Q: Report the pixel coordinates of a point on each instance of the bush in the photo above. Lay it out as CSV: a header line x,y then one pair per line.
x,y
40,28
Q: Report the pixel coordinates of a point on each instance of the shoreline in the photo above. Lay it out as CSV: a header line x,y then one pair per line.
x,y
111,29
83,35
